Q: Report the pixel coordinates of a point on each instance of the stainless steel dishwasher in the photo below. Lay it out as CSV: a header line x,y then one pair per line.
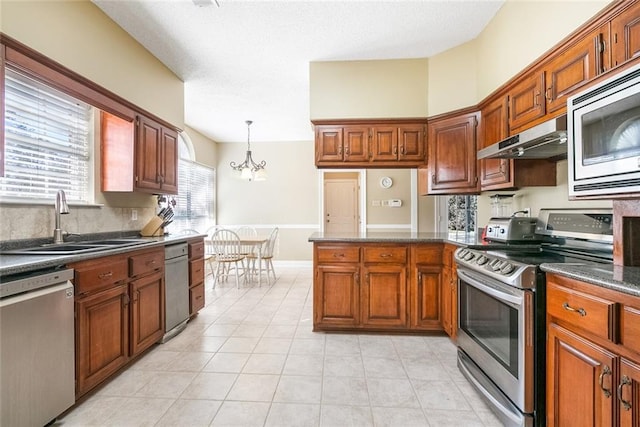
x,y
37,356
176,289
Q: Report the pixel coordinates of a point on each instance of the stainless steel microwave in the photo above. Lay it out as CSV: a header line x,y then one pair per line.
x,y
603,128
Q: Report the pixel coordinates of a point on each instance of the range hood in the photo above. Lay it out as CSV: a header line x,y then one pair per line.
x,y
548,140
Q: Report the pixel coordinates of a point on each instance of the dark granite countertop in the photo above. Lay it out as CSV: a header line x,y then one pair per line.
x,y
615,277
623,279
16,264
470,240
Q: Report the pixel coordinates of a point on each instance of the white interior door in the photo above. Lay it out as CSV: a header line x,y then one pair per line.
x,y
341,205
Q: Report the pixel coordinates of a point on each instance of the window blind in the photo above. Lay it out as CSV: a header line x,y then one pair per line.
x,y
47,142
195,202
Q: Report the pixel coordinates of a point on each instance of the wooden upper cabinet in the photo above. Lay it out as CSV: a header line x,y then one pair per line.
x,y
356,147
572,68
625,35
145,160
411,142
384,144
494,127
328,144
371,143
156,157
526,100
452,164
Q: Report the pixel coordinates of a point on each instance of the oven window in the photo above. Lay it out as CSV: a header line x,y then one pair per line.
x,y
492,324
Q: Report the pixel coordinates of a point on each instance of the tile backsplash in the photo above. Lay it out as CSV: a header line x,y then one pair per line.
x,y
30,222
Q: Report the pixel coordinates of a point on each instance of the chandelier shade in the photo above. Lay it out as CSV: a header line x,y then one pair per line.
x,y
249,169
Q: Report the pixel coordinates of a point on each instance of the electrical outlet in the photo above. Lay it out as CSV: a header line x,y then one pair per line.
x,y
134,215
527,211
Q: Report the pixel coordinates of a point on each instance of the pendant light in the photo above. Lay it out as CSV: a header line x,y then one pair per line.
x,y
249,169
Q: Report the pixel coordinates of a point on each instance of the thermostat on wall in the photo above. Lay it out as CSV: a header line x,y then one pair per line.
x,y
386,182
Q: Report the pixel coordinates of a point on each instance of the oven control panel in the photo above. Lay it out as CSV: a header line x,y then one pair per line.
x,y
497,267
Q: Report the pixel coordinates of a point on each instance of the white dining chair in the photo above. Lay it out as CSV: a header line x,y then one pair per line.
x,y
226,251
246,231
266,259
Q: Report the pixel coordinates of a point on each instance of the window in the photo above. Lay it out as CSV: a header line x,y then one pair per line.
x,y
48,139
195,202
462,213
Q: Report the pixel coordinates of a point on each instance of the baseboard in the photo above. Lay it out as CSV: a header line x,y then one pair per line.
x,y
293,263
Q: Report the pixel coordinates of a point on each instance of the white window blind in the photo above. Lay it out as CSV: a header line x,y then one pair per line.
x,y
47,142
195,202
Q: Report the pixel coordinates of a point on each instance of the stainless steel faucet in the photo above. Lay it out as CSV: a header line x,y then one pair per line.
x,y
60,207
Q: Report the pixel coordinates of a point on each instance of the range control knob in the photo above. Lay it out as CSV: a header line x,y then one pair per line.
x,y
482,260
507,268
469,256
461,253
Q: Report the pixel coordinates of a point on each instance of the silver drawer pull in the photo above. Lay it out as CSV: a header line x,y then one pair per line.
x,y
337,255
581,311
386,255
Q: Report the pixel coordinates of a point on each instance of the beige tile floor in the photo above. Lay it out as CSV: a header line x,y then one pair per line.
x,y
250,359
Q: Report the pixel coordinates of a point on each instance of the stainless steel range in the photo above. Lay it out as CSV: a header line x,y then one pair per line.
x,y
501,304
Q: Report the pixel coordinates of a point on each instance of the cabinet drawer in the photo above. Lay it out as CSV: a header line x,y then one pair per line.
x,y
196,249
396,254
99,274
333,254
196,299
145,263
588,312
196,272
428,254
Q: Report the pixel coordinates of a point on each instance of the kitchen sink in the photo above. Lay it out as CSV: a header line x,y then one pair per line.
x,y
76,247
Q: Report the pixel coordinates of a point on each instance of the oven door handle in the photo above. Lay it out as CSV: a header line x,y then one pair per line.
x,y
496,293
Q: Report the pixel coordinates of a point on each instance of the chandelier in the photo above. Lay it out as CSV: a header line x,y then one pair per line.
x,y
249,169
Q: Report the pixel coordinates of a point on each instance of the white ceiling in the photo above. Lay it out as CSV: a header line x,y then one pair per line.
x,y
249,60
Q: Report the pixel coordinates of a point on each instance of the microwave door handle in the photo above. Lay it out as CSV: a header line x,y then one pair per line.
x,y
496,293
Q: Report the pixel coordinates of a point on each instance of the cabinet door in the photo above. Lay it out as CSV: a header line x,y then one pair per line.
x,y
571,69
336,299
384,296
148,155
452,156
411,144
117,138
384,143
628,394
356,147
102,336
494,127
147,311
169,176
625,35
425,298
526,100
580,381
328,144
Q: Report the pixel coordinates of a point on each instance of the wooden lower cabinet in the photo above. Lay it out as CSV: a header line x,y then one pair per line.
x,y
579,381
102,336
118,315
377,287
593,356
383,296
336,299
147,321
196,276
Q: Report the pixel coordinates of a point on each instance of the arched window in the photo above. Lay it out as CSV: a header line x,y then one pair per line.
x,y
195,202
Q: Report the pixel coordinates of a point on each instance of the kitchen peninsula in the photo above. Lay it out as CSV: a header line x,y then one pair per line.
x,y
387,281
